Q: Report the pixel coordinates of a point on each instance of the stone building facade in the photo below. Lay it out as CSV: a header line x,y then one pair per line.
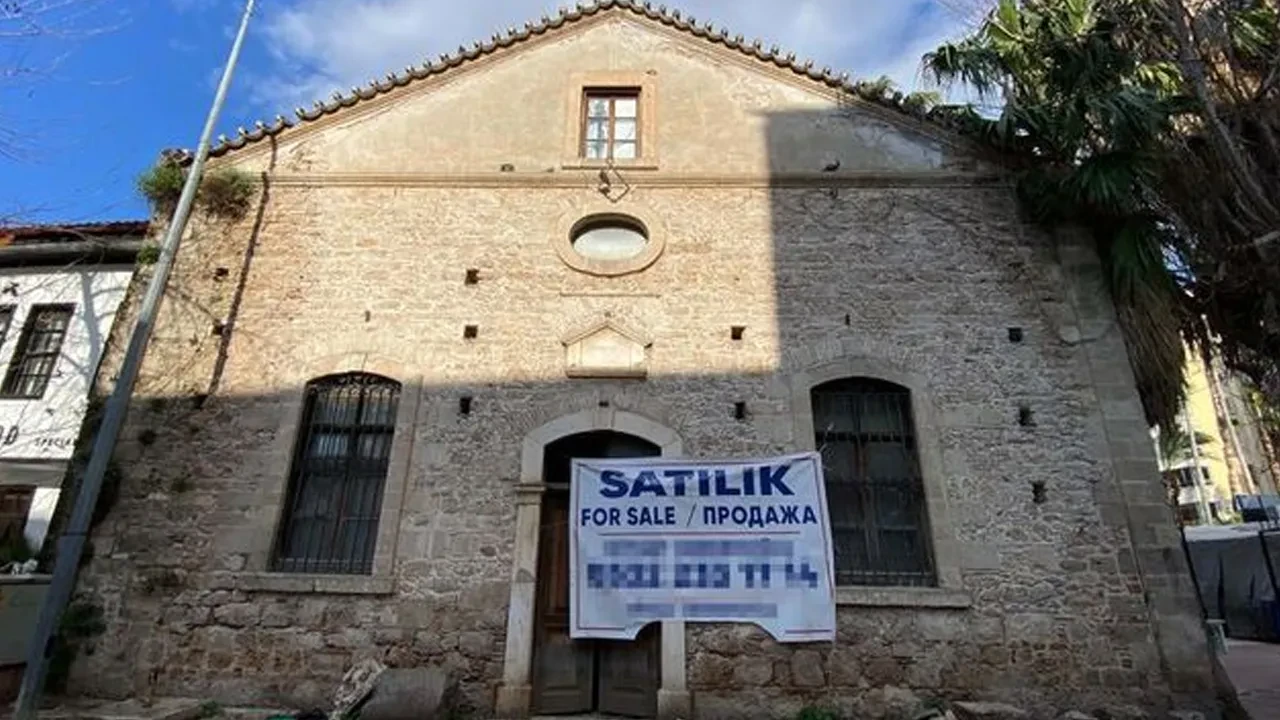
x,y
422,232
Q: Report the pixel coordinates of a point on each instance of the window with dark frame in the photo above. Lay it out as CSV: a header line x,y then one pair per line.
x,y
1188,515
875,493
37,353
610,124
330,523
15,503
6,319
1187,476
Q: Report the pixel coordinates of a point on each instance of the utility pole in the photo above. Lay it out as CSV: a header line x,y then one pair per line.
x,y
71,543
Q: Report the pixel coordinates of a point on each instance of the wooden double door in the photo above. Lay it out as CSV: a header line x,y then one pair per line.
x,y
583,676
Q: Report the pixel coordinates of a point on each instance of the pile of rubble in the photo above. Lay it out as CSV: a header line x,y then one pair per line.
x,y
1004,711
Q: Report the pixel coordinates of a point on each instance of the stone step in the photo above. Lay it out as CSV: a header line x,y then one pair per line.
x,y
158,709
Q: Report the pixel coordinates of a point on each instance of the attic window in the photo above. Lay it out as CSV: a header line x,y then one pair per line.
x,y
610,127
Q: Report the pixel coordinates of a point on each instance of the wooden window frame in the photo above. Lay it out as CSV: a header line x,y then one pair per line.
x,y
21,353
612,95
641,84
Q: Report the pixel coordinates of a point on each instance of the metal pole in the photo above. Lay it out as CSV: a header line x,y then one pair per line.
x,y
71,543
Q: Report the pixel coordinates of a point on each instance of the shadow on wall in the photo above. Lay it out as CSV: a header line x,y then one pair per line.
x,y
874,258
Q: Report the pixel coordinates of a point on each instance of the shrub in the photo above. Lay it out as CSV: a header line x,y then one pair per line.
x,y
81,622
226,193
148,254
161,185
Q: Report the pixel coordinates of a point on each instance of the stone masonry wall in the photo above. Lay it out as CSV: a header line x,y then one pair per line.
x,y
353,257
930,278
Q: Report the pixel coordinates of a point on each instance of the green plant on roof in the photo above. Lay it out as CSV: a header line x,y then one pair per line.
x,y
226,193
161,184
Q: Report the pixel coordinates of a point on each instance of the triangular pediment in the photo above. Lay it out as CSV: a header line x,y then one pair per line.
x,y
606,347
607,323
501,104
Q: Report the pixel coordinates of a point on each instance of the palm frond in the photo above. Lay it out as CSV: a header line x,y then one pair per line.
x,y
966,63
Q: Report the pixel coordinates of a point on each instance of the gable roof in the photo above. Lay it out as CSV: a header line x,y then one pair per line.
x,y
943,117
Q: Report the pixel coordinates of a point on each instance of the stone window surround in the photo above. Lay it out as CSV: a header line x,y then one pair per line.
x,y
256,576
515,694
562,237
949,592
646,127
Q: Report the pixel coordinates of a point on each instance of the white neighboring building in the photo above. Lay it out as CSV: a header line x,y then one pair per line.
x,y
59,290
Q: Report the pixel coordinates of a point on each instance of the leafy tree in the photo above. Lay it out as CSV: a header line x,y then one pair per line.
x,y
1175,447
1152,124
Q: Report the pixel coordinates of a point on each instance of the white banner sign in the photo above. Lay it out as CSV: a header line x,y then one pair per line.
x,y
727,541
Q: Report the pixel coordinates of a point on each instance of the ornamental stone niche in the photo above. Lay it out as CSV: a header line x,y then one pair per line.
x,y
606,348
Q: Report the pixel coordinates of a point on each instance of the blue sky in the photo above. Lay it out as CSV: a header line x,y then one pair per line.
x,y
107,84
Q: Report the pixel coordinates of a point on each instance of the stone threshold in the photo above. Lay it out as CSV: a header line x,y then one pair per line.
x,y
131,709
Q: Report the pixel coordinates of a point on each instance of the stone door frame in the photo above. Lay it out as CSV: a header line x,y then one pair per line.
x,y
516,691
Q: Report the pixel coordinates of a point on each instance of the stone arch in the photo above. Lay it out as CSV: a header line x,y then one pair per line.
x,y
838,347
291,371
515,692
354,362
622,421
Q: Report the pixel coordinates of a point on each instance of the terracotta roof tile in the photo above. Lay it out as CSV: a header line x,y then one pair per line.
x,y
72,232
755,48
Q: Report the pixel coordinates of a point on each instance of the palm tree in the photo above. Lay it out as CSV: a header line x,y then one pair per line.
x,y
1086,119
1116,127
1174,448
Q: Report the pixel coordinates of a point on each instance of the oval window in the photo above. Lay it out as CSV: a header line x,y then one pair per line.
x,y
610,237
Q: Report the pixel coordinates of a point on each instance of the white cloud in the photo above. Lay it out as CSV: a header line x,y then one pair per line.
x,y
318,46
185,6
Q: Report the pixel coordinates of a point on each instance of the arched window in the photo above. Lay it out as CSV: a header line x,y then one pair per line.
x,y
330,521
879,523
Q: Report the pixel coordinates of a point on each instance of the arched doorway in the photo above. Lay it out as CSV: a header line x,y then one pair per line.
x,y
514,697
572,676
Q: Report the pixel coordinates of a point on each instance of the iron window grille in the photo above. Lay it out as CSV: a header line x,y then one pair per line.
x,y
875,493
339,471
37,353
